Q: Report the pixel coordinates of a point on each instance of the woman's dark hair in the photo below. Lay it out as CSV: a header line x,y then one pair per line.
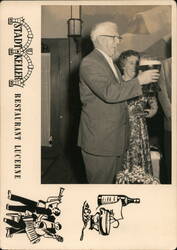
x,y
123,57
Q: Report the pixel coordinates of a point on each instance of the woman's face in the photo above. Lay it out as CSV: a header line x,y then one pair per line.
x,y
130,67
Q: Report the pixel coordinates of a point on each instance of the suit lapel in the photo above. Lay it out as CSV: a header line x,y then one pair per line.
x,y
107,65
118,71
167,71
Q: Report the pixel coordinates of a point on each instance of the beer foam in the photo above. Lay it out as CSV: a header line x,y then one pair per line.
x,y
149,62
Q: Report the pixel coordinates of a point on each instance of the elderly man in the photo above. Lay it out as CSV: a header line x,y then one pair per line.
x,y
104,128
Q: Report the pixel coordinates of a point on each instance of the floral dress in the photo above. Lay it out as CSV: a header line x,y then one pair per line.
x,y
137,166
138,153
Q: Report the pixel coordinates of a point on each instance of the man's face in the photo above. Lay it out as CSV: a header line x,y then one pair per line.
x,y
56,211
112,46
110,42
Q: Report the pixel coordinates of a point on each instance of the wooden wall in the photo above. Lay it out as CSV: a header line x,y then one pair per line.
x,y
65,103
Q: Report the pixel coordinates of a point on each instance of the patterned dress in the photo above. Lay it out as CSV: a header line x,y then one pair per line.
x,y
138,153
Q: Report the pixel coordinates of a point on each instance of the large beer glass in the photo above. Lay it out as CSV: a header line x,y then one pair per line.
x,y
147,64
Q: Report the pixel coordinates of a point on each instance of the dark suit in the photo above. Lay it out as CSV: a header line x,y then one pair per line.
x,y
165,101
104,129
165,93
29,205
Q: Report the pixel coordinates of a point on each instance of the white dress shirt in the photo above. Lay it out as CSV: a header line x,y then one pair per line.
x,y
110,61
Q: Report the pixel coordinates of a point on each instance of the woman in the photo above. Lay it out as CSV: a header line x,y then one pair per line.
x,y
137,158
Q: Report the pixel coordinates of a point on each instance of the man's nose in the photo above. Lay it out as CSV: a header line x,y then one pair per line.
x,y
117,41
116,44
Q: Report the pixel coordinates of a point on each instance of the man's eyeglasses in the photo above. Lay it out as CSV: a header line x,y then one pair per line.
x,y
114,37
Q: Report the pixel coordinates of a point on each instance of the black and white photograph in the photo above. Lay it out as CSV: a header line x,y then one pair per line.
x,y
88,97
106,94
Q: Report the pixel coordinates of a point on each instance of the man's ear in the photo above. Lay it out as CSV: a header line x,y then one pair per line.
x,y
101,41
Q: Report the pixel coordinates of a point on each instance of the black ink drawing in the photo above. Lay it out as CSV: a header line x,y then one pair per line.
x,y
21,51
108,213
36,219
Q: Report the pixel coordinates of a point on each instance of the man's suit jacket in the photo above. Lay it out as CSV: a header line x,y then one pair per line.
x,y
104,117
165,93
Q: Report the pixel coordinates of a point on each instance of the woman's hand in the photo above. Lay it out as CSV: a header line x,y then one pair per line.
x,y
153,107
149,113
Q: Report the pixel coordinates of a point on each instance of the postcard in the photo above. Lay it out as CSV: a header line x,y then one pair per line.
x,y
88,124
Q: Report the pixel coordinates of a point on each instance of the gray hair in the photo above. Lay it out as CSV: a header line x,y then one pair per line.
x,y
104,28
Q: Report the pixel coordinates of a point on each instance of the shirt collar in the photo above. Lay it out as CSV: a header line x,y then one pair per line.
x,y
108,58
110,62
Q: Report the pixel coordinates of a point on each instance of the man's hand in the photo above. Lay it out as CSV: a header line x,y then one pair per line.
x,y
148,76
